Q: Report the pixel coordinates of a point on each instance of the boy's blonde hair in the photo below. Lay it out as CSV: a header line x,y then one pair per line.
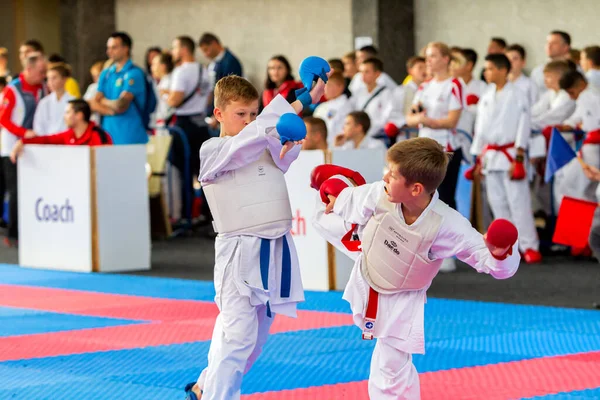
x,y
234,88
420,160
97,66
442,47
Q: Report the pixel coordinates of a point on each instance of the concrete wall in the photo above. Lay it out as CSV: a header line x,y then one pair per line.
x,y
253,30
28,19
471,23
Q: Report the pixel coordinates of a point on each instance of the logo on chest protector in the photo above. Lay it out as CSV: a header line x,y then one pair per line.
x,y
261,170
392,246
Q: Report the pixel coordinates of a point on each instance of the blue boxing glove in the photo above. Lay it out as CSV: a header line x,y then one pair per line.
x,y
311,69
290,128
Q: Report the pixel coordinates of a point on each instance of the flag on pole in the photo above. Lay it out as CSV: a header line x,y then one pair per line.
x,y
559,154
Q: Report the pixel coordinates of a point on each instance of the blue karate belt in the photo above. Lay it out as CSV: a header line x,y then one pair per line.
x,y
286,268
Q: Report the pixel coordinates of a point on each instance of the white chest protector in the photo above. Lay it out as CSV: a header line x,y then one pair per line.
x,y
251,200
396,255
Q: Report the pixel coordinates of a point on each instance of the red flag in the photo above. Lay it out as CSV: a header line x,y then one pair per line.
x,y
574,222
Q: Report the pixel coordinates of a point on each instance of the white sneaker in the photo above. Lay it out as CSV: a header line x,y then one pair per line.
x,y
448,265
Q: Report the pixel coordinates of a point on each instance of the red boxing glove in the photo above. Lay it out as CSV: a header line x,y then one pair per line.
x,y
323,172
391,130
502,234
518,171
470,173
472,99
332,186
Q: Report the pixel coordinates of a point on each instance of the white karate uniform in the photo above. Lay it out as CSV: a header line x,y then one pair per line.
x,y
551,109
438,99
377,109
570,179
242,327
49,117
334,113
503,118
400,316
537,77
528,87
593,77
366,143
357,82
466,122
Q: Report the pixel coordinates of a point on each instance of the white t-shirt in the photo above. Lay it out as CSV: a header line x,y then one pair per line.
x,y
162,108
184,79
438,99
49,117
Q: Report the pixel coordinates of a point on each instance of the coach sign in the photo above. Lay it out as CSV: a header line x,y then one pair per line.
x,y
83,209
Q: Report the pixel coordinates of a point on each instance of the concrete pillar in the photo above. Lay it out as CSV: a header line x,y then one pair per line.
x,y
85,28
391,25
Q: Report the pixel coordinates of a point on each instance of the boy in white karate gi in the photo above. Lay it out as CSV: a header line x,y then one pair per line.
x,y
502,134
256,265
571,180
373,98
405,233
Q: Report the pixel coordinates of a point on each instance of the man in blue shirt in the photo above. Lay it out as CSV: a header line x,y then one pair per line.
x,y
121,94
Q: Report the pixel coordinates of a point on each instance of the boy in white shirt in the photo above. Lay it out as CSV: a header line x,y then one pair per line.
x,y
373,98
473,89
555,105
501,137
357,82
337,106
590,63
50,112
517,56
355,136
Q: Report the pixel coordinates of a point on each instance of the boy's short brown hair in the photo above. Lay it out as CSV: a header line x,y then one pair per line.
x,y
559,66
361,118
63,69
338,77
375,62
318,125
414,61
420,160
234,88
592,53
351,55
